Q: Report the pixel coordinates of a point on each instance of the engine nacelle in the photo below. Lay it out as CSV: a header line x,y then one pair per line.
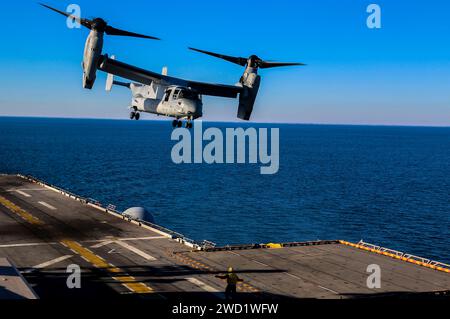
x,y
251,83
92,53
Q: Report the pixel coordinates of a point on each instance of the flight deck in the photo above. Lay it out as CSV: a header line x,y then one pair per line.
x,y
44,230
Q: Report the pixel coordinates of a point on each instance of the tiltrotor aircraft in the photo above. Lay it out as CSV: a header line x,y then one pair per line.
x,y
162,94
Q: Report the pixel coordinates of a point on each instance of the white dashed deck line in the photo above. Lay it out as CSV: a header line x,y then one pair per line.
x,y
202,285
22,193
47,205
321,287
48,263
106,242
103,243
328,289
52,262
293,276
142,238
135,250
27,189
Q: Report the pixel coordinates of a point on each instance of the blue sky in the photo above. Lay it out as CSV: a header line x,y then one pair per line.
x,y
399,74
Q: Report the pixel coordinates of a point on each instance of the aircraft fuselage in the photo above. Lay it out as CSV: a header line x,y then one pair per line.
x,y
172,101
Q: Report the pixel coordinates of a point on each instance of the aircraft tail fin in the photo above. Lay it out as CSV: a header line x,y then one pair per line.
x,y
109,82
165,71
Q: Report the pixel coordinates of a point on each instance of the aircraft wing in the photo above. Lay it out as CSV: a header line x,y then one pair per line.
x,y
148,77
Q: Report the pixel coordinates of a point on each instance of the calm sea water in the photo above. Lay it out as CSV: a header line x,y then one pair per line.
x,y
386,185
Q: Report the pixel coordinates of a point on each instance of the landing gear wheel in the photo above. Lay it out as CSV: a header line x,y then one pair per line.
x,y
174,123
137,116
132,115
188,125
180,124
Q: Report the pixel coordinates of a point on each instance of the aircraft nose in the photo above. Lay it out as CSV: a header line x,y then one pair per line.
x,y
190,107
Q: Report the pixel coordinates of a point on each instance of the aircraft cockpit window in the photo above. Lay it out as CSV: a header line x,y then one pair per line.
x,y
175,94
187,94
166,98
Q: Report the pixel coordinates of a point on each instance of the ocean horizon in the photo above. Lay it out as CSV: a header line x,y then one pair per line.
x,y
164,119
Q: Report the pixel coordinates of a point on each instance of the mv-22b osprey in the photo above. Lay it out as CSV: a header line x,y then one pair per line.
x,y
162,94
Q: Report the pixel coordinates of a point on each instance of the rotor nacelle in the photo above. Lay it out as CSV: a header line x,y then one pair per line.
x,y
250,80
248,96
91,57
94,43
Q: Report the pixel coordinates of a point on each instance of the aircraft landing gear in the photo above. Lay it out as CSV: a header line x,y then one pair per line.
x,y
177,123
188,124
135,116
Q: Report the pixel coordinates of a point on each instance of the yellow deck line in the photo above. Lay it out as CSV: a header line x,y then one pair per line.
x,y
384,253
127,281
21,212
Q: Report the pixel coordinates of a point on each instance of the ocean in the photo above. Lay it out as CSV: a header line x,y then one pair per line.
x,y
389,186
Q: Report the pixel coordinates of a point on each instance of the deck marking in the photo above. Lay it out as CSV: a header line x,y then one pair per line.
x,y
126,280
21,212
321,287
103,243
22,193
325,288
47,263
254,260
47,205
205,287
258,262
52,262
27,189
135,250
142,238
26,245
110,239
293,276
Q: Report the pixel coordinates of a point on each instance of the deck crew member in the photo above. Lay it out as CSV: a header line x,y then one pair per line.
x,y
232,280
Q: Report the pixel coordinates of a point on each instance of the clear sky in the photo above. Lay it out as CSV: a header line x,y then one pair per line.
x,y
399,74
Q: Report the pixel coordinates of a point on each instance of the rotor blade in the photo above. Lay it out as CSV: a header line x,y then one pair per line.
x,y
113,31
235,60
267,65
84,22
